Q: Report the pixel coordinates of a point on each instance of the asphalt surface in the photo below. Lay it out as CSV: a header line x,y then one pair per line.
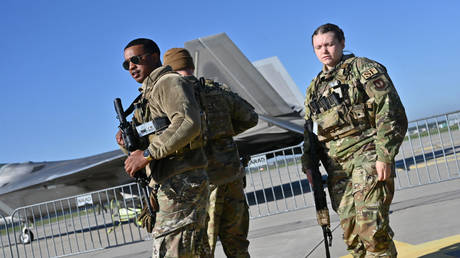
x,y
425,219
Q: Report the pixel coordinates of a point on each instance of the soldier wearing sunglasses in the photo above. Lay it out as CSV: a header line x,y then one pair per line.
x,y
174,158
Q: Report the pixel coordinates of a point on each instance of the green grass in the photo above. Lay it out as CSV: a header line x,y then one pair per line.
x,y
433,132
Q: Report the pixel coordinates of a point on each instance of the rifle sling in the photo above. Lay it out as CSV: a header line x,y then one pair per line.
x,y
131,107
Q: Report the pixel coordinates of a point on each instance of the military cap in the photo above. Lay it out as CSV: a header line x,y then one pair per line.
x,y
178,59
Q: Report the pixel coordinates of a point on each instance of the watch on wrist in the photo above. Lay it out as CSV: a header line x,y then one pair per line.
x,y
147,155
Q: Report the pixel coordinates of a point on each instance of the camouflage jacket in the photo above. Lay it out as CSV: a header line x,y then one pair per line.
x,y
179,147
355,105
226,115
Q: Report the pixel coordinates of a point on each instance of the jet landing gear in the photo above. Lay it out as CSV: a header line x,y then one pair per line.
x,y
26,236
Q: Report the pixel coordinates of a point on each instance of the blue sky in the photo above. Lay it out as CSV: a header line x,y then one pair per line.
x,y
61,62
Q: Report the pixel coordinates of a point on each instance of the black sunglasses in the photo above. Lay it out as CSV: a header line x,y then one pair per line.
x,y
134,60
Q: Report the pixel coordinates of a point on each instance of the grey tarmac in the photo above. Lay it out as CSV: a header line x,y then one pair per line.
x,y
419,215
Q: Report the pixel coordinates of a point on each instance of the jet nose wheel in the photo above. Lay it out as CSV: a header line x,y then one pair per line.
x,y
26,236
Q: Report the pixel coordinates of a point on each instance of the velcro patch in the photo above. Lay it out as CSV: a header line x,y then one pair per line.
x,y
379,84
369,73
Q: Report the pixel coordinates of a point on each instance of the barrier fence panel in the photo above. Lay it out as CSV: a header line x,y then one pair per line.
x,y
275,184
430,151
5,241
429,154
77,224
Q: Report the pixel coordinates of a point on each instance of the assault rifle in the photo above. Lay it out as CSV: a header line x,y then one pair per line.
x,y
322,212
132,143
128,134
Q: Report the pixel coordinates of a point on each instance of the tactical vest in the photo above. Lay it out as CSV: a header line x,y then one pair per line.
x,y
218,113
221,151
340,105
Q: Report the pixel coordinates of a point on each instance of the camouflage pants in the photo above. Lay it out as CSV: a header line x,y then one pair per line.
x,y
363,205
180,229
189,242
229,219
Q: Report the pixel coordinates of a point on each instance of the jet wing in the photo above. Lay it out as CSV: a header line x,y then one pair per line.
x,y
217,57
274,72
271,133
34,182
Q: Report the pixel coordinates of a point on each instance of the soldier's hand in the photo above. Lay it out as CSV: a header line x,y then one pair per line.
x,y
383,170
119,138
309,176
135,162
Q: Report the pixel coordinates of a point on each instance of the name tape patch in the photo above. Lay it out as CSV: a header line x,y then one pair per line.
x,y
145,129
369,73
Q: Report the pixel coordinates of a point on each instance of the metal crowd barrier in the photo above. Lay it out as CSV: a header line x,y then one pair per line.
x,y
429,154
76,224
5,241
430,151
274,184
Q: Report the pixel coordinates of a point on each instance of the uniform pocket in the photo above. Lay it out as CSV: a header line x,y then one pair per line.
x,y
358,114
388,191
331,119
337,183
158,243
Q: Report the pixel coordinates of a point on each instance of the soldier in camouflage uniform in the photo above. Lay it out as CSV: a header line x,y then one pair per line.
x,y
227,115
361,124
173,158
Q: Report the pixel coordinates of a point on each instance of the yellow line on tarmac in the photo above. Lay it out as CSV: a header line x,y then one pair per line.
x,y
439,161
438,248
432,148
438,147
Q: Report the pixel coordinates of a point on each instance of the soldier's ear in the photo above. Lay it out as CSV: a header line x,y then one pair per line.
x,y
342,43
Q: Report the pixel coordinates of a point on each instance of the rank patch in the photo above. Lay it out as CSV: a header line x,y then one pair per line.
x,y
369,73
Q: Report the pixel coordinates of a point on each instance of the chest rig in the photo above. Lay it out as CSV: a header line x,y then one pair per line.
x,y
221,150
217,112
339,104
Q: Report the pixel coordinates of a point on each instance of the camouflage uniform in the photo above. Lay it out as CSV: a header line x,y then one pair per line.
x,y
178,166
227,115
360,120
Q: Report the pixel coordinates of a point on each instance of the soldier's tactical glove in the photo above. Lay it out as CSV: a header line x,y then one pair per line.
x,y
146,218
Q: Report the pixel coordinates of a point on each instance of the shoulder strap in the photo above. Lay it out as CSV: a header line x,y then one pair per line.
x,y
202,81
131,107
346,66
